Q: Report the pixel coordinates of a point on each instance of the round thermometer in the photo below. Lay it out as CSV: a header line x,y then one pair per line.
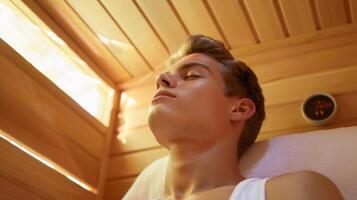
x,y
319,109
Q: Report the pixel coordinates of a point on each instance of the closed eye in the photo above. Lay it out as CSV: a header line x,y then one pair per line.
x,y
191,77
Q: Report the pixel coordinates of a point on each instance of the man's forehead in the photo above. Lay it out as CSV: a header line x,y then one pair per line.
x,y
194,58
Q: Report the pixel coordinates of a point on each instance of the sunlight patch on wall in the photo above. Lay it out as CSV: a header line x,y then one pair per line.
x,y
30,37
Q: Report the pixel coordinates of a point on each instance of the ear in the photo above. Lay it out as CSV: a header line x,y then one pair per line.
x,y
242,109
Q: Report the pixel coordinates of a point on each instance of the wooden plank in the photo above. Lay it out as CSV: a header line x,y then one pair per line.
x,y
95,16
299,65
43,120
234,24
142,35
21,89
265,19
31,175
26,128
10,191
197,18
79,37
107,146
353,10
298,16
136,139
331,13
116,189
165,22
132,164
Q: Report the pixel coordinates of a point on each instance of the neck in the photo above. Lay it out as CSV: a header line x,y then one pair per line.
x,y
191,169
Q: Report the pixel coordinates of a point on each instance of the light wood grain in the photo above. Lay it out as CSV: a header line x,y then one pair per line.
x,y
166,23
298,16
265,19
353,10
234,24
132,164
96,17
32,176
142,35
41,119
116,189
197,18
64,22
331,13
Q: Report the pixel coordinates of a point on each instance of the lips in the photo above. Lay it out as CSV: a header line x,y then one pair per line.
x,y
164,93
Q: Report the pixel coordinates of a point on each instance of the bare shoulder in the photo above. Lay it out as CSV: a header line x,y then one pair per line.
x,y
301,185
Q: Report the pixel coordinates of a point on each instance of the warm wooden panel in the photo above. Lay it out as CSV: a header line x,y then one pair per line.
x,y
61,18
165,21
140,138
138,30
103,25
331,13
36,178
298,16
116,189
36,116
133,163
234,24
197,18
11,191
353,10
265,19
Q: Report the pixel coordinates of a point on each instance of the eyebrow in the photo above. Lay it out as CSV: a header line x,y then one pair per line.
x,y
191,64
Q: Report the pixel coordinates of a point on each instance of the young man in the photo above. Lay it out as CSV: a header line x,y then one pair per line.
x,y
207,111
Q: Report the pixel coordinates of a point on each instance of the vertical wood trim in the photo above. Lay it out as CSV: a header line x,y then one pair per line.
x,y
107,145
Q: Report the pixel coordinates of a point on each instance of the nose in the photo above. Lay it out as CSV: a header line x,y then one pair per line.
x,y
165,80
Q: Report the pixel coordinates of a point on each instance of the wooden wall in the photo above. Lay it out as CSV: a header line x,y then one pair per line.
x,y
35,112
288,70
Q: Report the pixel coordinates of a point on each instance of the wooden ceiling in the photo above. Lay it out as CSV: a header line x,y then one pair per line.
x,y
126,39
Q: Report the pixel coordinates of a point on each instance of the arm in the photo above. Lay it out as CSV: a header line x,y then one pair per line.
x,y
307,185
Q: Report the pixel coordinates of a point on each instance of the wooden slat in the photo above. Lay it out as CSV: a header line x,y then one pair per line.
x,y
11,191
136,139
29,109
102,24
116,189
138,30
234,24
107,146
353,10
331,13
132,164
334,81
197,18
165,21
298,65
31,175
298,16
64,22
265,19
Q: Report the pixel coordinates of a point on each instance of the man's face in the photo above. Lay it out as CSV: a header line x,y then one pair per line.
x,y
199,112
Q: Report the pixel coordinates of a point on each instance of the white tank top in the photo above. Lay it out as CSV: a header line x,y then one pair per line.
x,y
250,189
